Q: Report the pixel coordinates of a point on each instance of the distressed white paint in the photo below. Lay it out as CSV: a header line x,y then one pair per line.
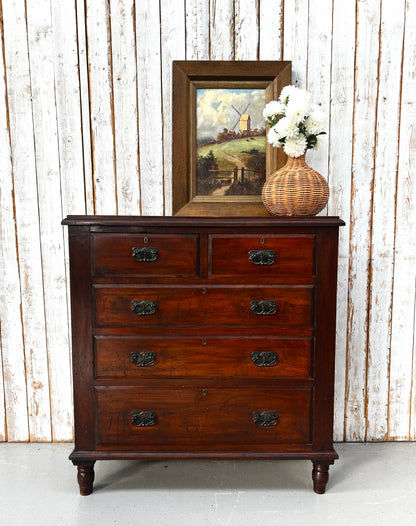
x,y
39,25
173,48
102,111
367,54
84,103
97,93
271,29
295,43
246,30
384,196
404,289
340,167
150,107
126,133
14,413
319,73
197,29
27,219
222,29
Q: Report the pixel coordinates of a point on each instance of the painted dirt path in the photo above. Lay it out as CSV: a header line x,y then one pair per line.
x,y
231,157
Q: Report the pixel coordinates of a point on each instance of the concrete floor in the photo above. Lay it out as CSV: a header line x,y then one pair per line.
x,y
371,484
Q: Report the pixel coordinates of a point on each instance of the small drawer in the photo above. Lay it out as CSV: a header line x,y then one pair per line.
x,y
261,255
211,306
145,255
210,419
142,357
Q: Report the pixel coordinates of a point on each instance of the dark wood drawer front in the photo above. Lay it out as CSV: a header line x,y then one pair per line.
x,y
202,418
285,306
145,255
257,256
202,357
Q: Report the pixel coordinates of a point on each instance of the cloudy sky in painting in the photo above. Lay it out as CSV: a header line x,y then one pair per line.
x,y
215,110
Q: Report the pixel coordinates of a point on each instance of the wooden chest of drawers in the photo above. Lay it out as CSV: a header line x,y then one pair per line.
x,y
203,338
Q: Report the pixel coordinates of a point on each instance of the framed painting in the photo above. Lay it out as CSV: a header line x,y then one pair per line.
x,y
220,156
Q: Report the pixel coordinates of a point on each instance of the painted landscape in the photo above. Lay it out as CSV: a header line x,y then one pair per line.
x,y
231,142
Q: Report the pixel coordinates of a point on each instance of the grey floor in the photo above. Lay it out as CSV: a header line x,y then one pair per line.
x,y
371,484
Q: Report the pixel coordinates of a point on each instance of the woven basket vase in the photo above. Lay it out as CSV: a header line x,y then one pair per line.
x,y
295,190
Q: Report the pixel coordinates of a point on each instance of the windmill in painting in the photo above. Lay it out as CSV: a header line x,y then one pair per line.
x,y
231,142
243,119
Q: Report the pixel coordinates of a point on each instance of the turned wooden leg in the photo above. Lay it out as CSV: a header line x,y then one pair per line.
x,y
320,475
86,477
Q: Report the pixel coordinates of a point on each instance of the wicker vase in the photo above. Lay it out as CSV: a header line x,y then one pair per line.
x,y
295,190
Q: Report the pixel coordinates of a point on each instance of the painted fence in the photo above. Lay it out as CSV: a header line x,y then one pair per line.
x,y
85,127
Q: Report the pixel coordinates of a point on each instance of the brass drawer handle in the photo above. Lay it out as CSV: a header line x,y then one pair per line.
x,y
145,254
143,418
261,257
144,308
143,358
264,358
263,307
265,418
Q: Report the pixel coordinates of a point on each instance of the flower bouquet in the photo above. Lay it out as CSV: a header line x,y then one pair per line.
x,y
297,125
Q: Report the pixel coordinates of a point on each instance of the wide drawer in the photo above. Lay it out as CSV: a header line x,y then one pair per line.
x,y
141,357
261,256
211,419
187,306
145,255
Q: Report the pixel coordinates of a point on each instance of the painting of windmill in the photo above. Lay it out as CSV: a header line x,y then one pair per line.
x,y
231,142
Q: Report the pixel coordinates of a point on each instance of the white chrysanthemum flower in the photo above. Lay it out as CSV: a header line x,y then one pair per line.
x,y
295,146
287,92
316,122
286,128
299,107
273,138
273,108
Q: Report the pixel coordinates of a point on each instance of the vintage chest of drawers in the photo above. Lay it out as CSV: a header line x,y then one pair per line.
x,y
203,338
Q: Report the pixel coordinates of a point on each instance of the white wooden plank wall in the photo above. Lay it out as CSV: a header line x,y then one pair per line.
x,y
85,127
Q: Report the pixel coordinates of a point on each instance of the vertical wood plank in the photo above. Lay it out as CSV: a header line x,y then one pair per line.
x,y
319,72
150,107
246,20
14,412
197,29
123,45
27,219
173,48
384,194
102,110
83,77
39,25
366,83
222,30
68,109
340,167
403,318
295,45
271,30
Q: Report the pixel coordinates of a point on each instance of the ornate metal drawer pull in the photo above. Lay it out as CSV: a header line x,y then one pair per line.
x,y
261,257
263,307
143,308
145,254
264,358
143,418
265,418
143,358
